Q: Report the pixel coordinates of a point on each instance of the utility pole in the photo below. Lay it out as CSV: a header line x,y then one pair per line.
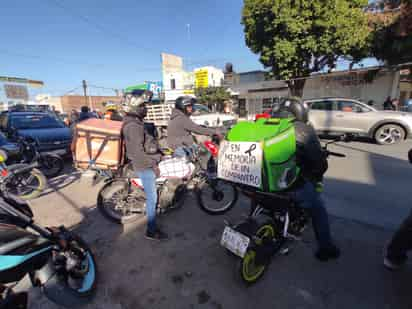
x,y
87,101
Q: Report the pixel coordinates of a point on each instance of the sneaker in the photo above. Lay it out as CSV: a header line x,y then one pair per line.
x,y
330,253
156,235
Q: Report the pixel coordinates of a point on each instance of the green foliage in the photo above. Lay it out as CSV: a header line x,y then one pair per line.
x,y
212,96
295,38
392,36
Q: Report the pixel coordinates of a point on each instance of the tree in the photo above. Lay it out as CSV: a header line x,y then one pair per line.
x,y
391,26
295,38
213,96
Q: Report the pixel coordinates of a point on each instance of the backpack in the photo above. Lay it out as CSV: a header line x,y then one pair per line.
x,y
273,141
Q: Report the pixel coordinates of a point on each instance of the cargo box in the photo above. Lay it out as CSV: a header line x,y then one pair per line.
x,y
274,142
98,142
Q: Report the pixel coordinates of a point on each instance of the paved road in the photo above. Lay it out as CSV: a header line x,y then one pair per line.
x,y
367,193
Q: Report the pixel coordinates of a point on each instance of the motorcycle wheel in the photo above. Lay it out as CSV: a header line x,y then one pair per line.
x,y
216,196
28,184
75,287
114,202
51,165
252,267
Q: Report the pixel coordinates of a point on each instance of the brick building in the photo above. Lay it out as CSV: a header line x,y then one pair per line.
x,y
69,102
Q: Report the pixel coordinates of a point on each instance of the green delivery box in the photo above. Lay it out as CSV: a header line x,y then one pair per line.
x,y
261,154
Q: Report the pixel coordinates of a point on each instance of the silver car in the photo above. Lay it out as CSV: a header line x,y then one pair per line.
x,y
340,115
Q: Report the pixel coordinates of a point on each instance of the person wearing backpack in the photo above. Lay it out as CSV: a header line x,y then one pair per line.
x,y
313,164
141,150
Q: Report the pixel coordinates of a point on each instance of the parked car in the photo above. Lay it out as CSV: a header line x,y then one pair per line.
x,y
12,149
50,132
341,115
202,116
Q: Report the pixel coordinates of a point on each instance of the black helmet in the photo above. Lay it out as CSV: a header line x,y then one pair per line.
x,y
292,107
183,102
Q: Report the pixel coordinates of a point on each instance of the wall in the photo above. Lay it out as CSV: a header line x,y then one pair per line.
x,y
351,86
70,102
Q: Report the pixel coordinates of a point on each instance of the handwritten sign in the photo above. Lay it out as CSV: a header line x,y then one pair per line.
x,y
241,162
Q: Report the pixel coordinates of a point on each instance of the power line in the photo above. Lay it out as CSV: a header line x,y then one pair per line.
x,y
100,28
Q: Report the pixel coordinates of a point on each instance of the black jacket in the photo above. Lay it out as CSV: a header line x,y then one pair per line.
x,y
309,154
137,142
179,128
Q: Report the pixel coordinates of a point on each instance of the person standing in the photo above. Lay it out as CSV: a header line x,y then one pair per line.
x,y
143,157
387,105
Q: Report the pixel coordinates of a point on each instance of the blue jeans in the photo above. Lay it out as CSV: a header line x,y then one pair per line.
x,y
148,178
307,197
183,151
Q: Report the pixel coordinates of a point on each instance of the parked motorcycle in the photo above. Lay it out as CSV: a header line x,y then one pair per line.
x,y
57,260
274,220
122,198
50,164
23,180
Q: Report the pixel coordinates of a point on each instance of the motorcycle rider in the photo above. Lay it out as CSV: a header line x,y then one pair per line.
x,y
180,127
313,163
142,154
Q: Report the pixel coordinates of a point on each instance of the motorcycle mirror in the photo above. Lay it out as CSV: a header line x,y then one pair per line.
x,y
3,156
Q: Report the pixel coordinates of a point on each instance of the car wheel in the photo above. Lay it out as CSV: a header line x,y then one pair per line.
x,y
389,134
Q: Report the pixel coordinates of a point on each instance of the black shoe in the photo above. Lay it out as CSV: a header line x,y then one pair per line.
x,y
156,235
330,253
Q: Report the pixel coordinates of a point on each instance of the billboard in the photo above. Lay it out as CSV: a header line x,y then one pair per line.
x,y
16,92
201,78
33,83
156,88
171,63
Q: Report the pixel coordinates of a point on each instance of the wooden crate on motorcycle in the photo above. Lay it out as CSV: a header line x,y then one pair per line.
x,y
98,142
261,154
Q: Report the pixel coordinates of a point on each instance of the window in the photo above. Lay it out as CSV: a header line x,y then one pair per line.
x,y
322,106
351,107
173,84
267,104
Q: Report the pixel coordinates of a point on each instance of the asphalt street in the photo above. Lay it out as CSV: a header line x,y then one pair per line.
x,y
367,194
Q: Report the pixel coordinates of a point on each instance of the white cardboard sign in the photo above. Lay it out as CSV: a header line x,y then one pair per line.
x,y
241,162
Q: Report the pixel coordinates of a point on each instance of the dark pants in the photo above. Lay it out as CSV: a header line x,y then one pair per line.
x,y
401,242
307,197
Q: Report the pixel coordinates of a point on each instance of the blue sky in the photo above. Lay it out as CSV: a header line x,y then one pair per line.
x,y
116,43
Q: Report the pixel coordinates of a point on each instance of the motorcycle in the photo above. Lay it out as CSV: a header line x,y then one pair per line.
x,y
23,180
57,260
50,164
273,221
122,198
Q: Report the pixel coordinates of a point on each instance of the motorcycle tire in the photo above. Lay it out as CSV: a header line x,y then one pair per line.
x,y
118,190
51,165
205,198
24,179
59,290
252,266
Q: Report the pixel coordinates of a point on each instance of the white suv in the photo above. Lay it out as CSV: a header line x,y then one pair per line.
x,y
340,115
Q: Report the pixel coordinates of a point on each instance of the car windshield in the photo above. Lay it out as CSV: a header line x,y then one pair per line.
x,y
34,122
3,139
200,109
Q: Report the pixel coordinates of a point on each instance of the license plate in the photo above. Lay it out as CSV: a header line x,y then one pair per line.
x,y
235,241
